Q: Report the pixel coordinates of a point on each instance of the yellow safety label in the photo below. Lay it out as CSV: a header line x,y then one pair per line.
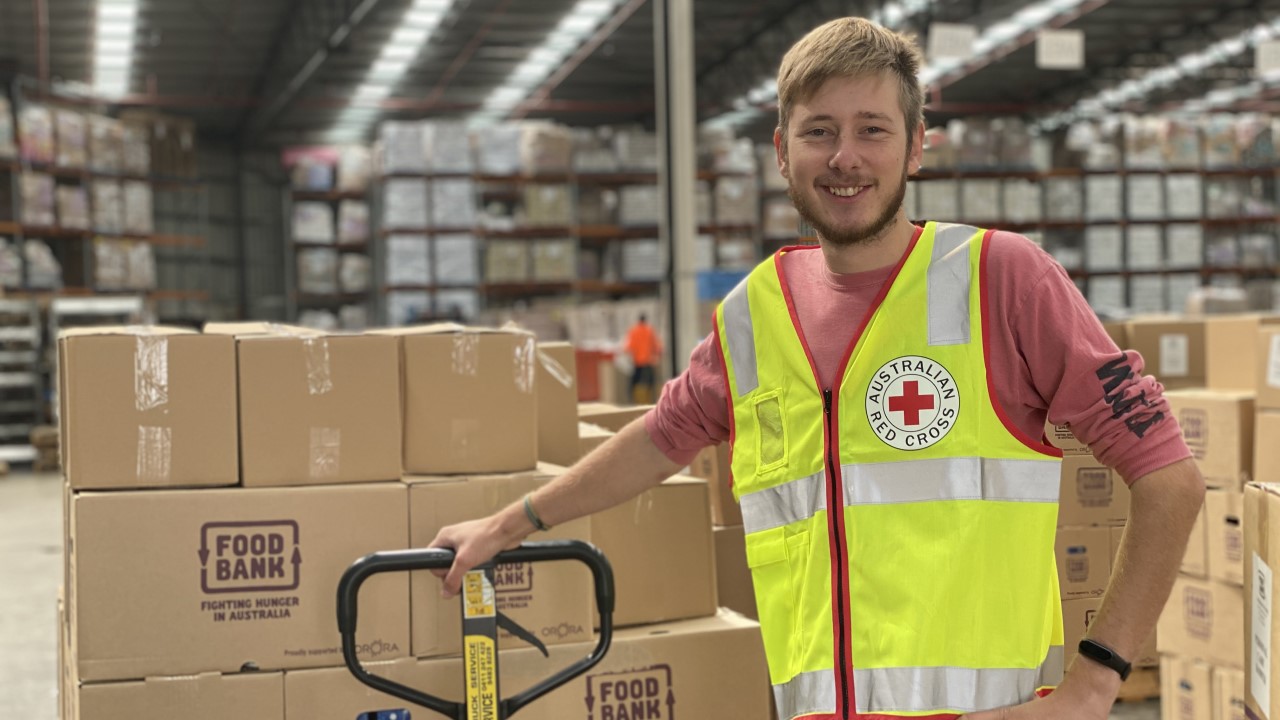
x,y
478,596
480,654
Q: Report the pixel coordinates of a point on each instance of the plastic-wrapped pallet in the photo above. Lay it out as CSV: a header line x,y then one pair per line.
x,y
37,199
35,134
703,201
135,152
1144,197
641,261
1022,200
597,205
1102,197
312,172
1147,294
1185,245
142,265
313,222
497,149
73,146
1064,199
704,253
139,218
1143,142
43,269
323,320
1106,293
737,200
1014,146
355,166
1256,135
10,264
408,260
353,317
404,203
1104,248
1224,197
73,207
975,142
506,261
636,149
448,146
781,220
318,271
545,147
106,144
722,152
771,178
457,260
353,221
354,271
638,205
1222,251
1257,251
592,153
1144,248
548,205
407,307
939,200
8,148
1220,144
403,149
453,203
458,303
736,253
110,264
980,201
1184,196
1181,144
554,260
1181,286
108,206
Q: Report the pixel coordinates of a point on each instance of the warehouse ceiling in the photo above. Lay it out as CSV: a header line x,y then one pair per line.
x,y
271,72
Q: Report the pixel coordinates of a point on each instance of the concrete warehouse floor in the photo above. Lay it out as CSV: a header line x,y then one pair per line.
x,y
30,559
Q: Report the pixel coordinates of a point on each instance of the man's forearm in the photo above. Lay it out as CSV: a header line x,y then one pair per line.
x,y
620,469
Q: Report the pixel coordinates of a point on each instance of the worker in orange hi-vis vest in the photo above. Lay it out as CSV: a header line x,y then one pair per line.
x,y
645,349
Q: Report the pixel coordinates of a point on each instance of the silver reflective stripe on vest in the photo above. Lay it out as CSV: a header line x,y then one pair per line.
x,y
741,339
785,504
954,689
806,694
949,285
965,478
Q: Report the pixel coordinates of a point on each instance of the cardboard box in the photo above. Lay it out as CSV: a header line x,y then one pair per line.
x,y
1268,354
610,417
1228,694
469,400
706,668
1173,348
1060,437
1262,555
663,556
184,582
557,391
591,437
1218,427
1077,616
251,696
1084,561
733,577
1091,494
1266,451
1186,689
317,409
1229,340
1205,620
1195,561
147,407
1224,512
712,464
1119,332
550,600
335,694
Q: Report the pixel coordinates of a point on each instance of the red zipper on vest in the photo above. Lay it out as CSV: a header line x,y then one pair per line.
x,y
835,526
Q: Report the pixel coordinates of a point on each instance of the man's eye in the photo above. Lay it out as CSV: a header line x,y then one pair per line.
x,y
817,132
874,130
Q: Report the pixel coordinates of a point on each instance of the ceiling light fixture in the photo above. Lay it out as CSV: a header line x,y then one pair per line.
x,y
113,42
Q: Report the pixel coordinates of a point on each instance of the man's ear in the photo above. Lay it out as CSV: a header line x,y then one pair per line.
x,y
917,149
780,149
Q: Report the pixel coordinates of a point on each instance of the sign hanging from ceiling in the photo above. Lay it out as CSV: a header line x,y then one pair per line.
x,y
1266,58
1060,49
951,41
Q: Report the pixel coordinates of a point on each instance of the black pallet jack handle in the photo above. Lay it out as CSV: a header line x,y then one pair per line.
x,y
406,560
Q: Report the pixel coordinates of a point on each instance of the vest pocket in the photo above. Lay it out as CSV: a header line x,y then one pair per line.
x,y
777,559
772,431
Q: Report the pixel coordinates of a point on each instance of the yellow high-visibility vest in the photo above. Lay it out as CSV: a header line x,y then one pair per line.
x,y
931,590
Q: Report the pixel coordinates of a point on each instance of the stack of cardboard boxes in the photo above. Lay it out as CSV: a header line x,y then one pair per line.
x,y
218,484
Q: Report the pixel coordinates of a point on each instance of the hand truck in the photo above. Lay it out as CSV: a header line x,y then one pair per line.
x,y
480,623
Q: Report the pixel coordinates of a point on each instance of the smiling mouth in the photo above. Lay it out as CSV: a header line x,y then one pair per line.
x,y
845,191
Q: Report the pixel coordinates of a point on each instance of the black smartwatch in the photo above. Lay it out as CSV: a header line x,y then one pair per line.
x,y
1104,655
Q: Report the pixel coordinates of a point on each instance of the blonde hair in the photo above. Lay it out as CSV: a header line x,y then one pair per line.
x,y
847,47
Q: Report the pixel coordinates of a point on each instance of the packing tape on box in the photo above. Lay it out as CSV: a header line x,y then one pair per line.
x,y
155,453
466,354
326,452
526,365
150,371
319,375
555,369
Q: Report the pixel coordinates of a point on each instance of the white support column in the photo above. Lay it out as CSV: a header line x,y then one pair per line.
x,y
677,172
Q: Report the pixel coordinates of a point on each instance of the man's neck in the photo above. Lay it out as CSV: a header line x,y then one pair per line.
x,y
872,254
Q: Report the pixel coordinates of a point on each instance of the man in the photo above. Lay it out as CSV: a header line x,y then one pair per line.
x,y
902,375
645,349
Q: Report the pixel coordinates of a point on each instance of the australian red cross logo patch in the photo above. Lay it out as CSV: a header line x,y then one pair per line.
x,y
912,402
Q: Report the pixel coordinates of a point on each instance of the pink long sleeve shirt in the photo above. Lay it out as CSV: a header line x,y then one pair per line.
x,y
1049,357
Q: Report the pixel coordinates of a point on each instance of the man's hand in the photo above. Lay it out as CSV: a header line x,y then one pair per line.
x,y
473,543
1087,693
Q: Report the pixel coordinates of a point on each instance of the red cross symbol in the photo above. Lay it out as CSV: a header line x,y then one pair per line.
x,y
911,402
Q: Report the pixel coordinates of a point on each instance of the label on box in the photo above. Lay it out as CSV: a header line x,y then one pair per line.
x,y
1175,355
1260,654
1273,363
